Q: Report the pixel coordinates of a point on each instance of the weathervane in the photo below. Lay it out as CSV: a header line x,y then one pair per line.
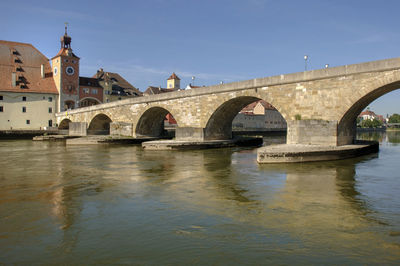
x,y
66,25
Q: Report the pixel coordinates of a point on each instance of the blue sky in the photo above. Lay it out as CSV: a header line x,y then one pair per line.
x,y
220,40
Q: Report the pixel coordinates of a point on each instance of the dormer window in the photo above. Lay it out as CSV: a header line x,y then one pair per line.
x,y
15,52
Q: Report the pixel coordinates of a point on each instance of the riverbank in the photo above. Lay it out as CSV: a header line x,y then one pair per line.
x,y
25,134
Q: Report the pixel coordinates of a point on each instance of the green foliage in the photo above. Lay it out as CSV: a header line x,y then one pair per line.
x,y
395,118
371,123
297,117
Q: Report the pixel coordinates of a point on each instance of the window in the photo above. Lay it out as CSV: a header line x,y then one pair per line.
x,y
1,109
94,91
50,99
50,123
86,90
24,98
44,97
1,97
23,109
50,110
66,60
28,122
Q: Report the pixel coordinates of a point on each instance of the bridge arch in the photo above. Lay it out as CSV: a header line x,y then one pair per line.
x,y
64,124
219,125
151,122
99,125
347,122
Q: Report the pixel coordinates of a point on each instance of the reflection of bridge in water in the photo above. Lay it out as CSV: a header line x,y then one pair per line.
x,y
319,106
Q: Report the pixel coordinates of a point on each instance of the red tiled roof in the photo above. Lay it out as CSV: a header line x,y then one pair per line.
x,y
174,76
118,79
85,81
156,90
64,52
250,108
26,64
368,112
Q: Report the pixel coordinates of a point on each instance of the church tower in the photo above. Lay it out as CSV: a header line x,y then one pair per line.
x,y
65,67
173,82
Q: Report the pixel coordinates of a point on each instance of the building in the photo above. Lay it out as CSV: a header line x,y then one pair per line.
x,y
190,86
28,93
76,91
90,92
259,115
32,90
173,84
115,87
369,115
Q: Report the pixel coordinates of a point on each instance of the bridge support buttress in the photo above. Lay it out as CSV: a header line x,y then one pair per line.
x,y
312,131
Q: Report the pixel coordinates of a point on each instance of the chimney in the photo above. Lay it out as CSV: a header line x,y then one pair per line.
x,y
14,79
42,70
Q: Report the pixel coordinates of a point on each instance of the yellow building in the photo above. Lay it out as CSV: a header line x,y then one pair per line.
x,y
173,82
28,94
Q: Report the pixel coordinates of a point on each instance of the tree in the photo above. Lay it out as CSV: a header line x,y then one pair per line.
x,y
395,118
371,123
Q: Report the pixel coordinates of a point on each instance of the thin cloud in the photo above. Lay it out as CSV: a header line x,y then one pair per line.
x,y
138,69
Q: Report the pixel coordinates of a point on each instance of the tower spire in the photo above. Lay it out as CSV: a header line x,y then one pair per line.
x,y
65,39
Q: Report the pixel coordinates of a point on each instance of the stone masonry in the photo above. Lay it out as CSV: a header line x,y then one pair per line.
x,y
319,106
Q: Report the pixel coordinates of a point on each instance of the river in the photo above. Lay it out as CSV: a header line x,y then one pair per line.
x,y
122,205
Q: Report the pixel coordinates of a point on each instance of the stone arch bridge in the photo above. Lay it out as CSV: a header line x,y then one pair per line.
x,y
319,106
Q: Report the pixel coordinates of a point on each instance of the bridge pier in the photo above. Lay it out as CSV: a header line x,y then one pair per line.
x,y
189,134
312,131
202,134
77,129
121,129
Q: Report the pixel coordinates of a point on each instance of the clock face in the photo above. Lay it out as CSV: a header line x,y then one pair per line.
x,y
55,71
70,70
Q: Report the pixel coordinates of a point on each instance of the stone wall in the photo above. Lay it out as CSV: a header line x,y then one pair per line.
x,y
319,106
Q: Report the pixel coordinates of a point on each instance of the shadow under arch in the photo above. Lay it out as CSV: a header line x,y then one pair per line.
x,y
64,124
347,125
219,126
99,125
151,123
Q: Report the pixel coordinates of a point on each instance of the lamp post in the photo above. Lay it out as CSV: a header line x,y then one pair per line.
x,y
193,77
305,62
326,65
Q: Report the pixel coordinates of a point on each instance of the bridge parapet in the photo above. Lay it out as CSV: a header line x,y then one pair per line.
x,y
319,106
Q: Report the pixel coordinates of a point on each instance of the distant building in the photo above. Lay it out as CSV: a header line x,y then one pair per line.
x,y
28,93
369,115
115,87
259,115
173,84
190,86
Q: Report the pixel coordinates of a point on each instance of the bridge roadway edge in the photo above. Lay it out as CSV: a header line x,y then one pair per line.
x,y
305,76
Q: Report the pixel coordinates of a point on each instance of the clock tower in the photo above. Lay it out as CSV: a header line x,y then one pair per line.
x,y
65,67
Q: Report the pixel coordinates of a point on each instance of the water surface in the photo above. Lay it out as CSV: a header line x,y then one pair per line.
x,y
123,205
